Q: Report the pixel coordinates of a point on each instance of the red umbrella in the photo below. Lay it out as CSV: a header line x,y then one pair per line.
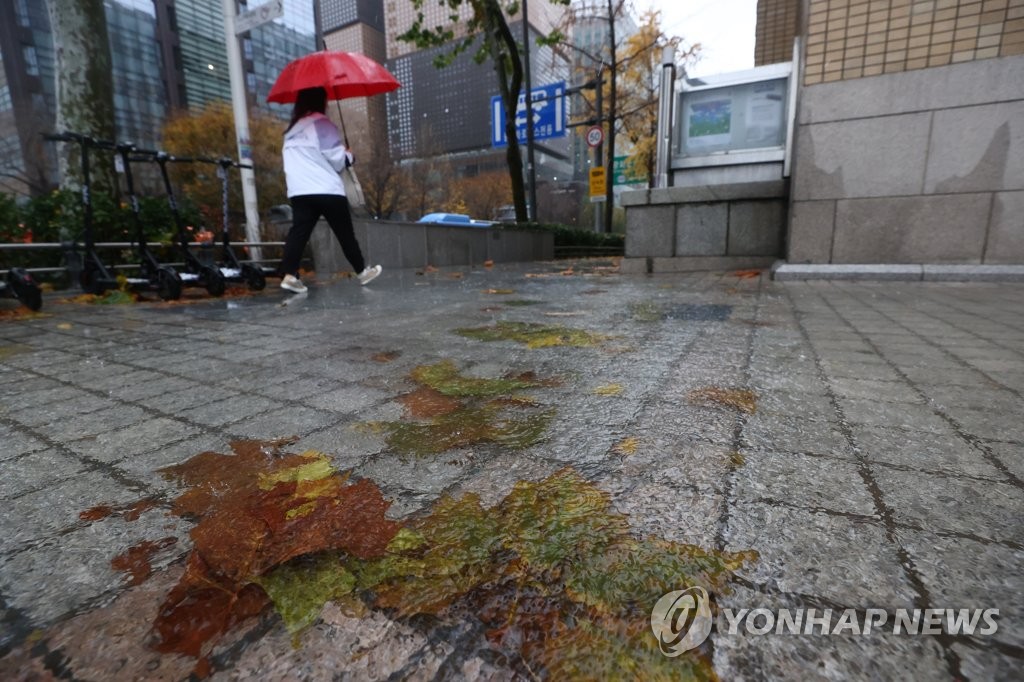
x,y
342,74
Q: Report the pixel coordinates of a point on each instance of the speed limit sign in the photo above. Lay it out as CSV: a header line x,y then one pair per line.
x,y
595,136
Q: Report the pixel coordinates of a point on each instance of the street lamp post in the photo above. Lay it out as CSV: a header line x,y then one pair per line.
x,y
664,148
238,104
531,173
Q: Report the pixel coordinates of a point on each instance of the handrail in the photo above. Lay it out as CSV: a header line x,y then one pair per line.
x,y
20,246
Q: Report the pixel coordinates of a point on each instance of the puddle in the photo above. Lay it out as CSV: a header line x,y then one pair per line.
x,y
649,311
646,312
534,335
739,399
697,312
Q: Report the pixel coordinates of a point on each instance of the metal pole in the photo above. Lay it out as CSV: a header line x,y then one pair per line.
x,y
238,104
664,148
609,172
531,173
599,149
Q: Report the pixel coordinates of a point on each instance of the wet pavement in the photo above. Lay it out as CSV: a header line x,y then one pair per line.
x,y
496,473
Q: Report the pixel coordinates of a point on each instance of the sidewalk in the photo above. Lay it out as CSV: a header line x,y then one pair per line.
x,y
536,456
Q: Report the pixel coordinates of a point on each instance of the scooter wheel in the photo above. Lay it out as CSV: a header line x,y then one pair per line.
x,y
24,288
215,285
255,278
89,281
168,284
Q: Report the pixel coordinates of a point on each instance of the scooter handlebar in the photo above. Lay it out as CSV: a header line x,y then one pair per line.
x,y
68,136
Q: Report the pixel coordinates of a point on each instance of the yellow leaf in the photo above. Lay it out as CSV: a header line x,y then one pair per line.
x,y
626,446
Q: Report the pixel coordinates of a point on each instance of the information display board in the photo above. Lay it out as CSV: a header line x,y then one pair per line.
x,y
741,117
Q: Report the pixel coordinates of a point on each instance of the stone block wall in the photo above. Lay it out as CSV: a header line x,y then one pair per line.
x,y
923,166
718,226
415,245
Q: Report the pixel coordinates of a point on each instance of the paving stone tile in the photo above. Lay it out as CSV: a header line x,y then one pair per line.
x,y
129,441
90,414
813,482
940,503
37,470
968,574
852,561
940,453
15,443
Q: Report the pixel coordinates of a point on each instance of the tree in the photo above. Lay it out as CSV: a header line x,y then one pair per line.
x,y
487,27
211,133
85,91
628,67
426,178
640,86
479,195
384,187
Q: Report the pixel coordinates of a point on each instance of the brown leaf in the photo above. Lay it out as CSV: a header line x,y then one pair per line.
x,y
135,560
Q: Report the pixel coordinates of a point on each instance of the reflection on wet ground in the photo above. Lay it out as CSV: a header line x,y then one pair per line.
x,y
432,477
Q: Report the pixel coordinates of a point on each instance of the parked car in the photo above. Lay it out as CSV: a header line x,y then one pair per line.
x,y
454,219
505,214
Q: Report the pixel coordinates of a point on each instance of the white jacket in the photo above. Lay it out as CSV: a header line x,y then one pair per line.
x,y
313,157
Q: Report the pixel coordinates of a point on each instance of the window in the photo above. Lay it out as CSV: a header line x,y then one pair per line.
x,y
31,60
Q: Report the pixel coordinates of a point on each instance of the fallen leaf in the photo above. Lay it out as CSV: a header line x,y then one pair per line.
x,y
135,560
609,390
534,335
747,274
626,446
740,399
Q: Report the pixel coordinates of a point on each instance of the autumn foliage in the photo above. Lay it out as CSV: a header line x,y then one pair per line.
x,y
210,133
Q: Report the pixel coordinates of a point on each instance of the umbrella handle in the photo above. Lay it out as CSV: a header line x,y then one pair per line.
x,y
344,133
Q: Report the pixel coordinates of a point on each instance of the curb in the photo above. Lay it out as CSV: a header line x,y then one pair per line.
x,y
793,272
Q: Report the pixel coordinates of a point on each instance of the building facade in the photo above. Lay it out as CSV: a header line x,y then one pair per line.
x,y
439,112
909,136
166,55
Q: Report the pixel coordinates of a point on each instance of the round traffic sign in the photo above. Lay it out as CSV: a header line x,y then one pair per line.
x,y
595,136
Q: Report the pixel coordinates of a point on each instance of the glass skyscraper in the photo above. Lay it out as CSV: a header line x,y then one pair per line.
x,y
165,55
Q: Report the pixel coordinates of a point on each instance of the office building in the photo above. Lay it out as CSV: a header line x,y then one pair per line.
x,y
907,136
166,55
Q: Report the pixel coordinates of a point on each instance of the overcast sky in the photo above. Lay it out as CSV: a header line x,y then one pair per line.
x,y
725,29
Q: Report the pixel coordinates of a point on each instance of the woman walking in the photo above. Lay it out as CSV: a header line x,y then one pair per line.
x,y
313,158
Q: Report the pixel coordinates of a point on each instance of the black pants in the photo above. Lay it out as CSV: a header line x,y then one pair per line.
x,y
306,211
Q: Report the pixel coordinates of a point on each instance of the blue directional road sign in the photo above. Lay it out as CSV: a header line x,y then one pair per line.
x,y
549,115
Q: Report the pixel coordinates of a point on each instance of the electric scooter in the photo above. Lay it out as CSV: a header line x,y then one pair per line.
x,y
95,277
164,278
19,285
231,266
203,274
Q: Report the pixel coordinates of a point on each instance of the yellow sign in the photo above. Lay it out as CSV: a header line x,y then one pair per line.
x,y
598,186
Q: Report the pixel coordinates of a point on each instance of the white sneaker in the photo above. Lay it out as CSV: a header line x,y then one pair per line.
x,y
369,274
292,283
